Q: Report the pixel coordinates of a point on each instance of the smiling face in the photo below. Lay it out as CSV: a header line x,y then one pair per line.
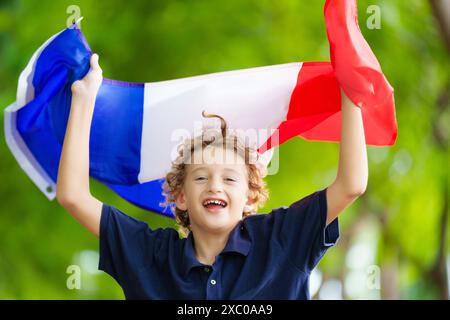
x,y
215,192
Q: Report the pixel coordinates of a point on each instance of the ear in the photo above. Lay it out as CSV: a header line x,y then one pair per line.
x,y
250,200
180,201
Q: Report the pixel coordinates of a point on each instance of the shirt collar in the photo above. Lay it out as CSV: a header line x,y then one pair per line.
x,y
238,241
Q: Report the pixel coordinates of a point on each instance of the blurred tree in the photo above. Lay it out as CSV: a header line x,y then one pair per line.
x,y
406,202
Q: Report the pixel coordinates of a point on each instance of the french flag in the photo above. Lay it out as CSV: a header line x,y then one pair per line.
x,y
132,138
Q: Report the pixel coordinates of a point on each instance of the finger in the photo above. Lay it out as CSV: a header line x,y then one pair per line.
x,y
94,61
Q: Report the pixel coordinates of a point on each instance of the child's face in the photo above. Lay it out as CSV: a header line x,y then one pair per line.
x,y
212,178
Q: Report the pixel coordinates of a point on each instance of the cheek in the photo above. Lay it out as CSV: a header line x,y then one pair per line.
x,y
240,197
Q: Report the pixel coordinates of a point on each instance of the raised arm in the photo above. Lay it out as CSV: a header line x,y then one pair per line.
x,y
352,175
72,188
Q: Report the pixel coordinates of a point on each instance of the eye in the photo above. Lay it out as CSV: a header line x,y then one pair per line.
x,y
230,179
200,178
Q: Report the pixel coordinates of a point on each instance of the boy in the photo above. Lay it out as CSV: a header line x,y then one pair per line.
x,y
229,252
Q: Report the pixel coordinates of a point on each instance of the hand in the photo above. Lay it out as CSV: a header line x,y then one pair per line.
x,y
87,88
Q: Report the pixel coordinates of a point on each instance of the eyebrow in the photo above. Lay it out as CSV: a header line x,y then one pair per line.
x,y
226,169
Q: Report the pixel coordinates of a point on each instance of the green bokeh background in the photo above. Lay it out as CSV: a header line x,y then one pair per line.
x,y
395,234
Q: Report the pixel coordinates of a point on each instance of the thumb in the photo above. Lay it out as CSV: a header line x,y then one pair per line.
x,y
94,61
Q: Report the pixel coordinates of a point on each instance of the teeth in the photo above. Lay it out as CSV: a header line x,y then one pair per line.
x,y
218,202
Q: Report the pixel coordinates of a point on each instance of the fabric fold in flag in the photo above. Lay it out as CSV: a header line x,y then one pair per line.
x,y
137,126
359,72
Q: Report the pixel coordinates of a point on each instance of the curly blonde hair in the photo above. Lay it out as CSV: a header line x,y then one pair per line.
x,y
175,178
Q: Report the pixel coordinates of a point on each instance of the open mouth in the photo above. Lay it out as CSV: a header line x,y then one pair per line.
x,y
214,205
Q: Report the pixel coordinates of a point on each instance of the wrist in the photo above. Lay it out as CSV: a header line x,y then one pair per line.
x,y
83,103
84,98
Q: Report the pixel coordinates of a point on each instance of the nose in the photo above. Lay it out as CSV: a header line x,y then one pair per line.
x,y
214,185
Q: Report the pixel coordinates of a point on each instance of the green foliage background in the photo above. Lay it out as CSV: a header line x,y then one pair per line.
x,y
401,214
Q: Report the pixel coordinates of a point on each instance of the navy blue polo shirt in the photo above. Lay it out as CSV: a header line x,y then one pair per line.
x,y
267,256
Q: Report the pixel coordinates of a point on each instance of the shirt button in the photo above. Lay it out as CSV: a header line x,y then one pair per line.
x,y
206,269
213,282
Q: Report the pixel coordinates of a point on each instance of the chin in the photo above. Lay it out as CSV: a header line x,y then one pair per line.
x,y
221,225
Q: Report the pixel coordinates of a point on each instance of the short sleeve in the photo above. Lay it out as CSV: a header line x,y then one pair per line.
x,y
302,230
126,244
